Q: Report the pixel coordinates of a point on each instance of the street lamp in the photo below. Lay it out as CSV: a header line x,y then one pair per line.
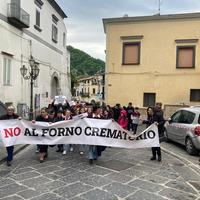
x,y
32,75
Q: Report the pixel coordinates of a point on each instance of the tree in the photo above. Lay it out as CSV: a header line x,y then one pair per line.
x,y
83,65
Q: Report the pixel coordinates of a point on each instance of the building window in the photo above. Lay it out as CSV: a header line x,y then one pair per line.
x,y
39,3
195,95
37,21
37,18
64,40
93,91
131,53
54,33
185,57
7,104
6,71
149,99
55,19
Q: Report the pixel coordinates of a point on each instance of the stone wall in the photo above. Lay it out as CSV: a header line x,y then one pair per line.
x,y
167,109
170,109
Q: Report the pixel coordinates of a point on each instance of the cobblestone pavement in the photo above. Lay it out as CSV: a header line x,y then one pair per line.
x,y
119,174
3,153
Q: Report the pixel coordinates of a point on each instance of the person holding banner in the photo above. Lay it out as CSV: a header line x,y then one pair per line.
x,y
67,147
95,151
152,117
10,115
43,117
82,146
59,117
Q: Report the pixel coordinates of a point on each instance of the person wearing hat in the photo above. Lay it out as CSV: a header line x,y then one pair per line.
x,y
10,115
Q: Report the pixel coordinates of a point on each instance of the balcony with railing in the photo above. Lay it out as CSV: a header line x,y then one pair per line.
x,y
17,16
85,95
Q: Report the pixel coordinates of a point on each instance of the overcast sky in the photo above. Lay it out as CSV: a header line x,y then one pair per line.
x,y
84,22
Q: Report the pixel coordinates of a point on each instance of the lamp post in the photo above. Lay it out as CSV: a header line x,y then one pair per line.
x,y
32,75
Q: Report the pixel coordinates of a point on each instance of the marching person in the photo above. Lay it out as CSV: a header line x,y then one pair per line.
x,y
82,146
67,147
130,111
123,120
116,111
152,117
51,114
110,112
95,151
135,117
161,121
43,117
10,115
59,117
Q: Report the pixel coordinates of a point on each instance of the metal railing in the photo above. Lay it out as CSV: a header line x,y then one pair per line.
x,y
14,11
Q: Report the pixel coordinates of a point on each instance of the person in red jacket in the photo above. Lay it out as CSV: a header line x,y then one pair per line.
x,y
123,120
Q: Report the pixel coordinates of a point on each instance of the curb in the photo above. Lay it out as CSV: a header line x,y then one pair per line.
x,y
15,152
195,167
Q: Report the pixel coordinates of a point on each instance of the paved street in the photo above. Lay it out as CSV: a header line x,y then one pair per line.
x,y
118,174
179,151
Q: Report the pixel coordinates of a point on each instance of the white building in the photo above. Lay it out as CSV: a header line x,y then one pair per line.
x,y
33,27
90,88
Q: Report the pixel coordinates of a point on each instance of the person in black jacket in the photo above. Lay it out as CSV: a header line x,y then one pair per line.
x,y
116,111
94,151
59,117
10,115
153,117
130,111
43,117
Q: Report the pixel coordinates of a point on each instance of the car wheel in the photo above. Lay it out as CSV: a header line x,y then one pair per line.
x,y
190,148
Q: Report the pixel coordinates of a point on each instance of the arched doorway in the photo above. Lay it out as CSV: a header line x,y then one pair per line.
x,y
55,86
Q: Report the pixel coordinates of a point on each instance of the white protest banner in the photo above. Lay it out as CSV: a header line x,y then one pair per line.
x,y
81,116
80,131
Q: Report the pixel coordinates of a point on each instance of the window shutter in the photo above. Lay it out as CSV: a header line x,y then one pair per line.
x,y
131,53
185,57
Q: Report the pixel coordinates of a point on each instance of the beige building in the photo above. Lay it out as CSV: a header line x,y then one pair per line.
x,y
153,58
90,88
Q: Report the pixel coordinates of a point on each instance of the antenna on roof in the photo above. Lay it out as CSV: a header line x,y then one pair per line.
x,y
126,15
159,5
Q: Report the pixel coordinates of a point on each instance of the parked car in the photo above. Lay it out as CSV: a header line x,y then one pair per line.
x,y
183,127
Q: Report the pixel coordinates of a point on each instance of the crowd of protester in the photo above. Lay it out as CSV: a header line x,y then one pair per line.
x,y
127,117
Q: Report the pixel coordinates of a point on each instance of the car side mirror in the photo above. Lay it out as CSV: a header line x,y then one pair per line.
x,y
169,120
